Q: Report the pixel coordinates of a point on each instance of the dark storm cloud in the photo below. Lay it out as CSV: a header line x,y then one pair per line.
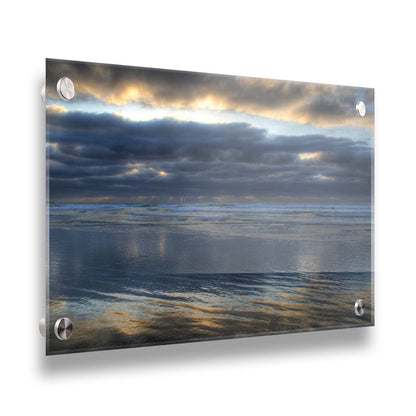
x,y
104,155
318,104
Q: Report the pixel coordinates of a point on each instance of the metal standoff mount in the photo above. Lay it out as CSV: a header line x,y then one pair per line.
x,y
65,88
63,329
42,326
359,307
43,93
360,109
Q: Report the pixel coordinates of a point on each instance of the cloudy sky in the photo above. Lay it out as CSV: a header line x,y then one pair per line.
x,y
137,135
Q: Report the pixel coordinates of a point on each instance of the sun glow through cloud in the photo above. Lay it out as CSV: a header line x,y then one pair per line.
x,y
307,156
140,113
324,178
56,108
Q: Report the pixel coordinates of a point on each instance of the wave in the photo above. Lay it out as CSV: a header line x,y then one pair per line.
x,y
342,211
88,207
300,206
170,210
148,214
344,214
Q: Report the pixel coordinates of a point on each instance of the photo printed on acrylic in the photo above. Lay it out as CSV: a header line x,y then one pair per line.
x,y
187,206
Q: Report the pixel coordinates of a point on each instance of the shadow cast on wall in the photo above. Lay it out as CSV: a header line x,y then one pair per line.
x,y
158,357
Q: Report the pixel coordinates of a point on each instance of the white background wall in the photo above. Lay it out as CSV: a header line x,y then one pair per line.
x,y
350,372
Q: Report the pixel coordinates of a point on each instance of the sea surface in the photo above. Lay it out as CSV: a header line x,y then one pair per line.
x,y
134,275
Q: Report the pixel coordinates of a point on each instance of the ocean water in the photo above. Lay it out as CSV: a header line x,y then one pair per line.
x,y
133,275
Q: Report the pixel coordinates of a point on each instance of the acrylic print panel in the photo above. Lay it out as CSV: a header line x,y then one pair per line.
x,y
186,206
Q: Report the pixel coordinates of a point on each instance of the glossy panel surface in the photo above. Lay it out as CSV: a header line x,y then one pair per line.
x,y
186,206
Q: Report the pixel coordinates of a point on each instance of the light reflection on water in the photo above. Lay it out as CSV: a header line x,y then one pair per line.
x,y
149,309
131,280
